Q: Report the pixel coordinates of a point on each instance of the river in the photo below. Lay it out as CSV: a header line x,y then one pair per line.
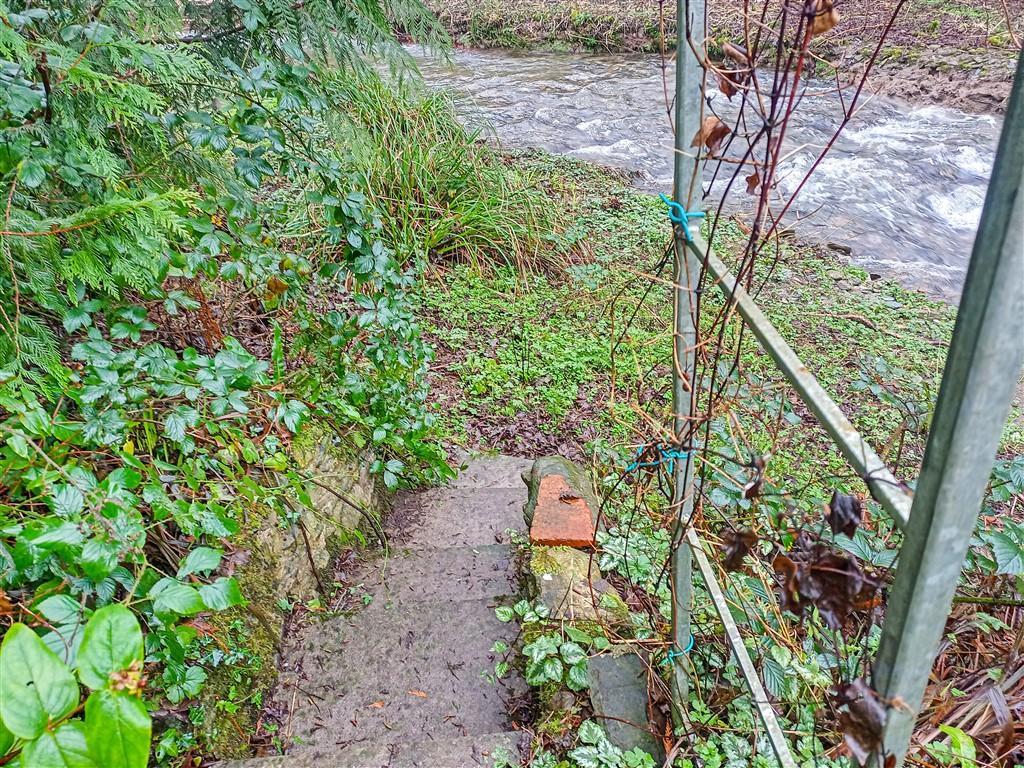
x,y
902,188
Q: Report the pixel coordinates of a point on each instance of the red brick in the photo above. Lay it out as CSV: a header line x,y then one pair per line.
x,y
562,517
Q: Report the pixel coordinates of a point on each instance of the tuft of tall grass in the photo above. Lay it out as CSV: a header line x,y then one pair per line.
x,y
444,194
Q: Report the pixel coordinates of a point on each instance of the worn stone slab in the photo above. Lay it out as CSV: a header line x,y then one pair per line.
x,y
561,516
569,583
454,574
618,694
462,752
455,517
490,472
399,682
390,673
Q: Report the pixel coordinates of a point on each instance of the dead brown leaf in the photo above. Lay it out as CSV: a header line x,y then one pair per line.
x,y
712,132
844,513
825,17
377,705
736,53
726,85
420,694
862,719
753,182
735,546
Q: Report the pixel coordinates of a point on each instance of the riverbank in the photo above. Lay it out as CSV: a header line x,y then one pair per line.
x,y
959,55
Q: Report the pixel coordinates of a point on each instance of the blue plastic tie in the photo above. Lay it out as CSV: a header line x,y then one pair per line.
x,y
673,655
665,456
679,215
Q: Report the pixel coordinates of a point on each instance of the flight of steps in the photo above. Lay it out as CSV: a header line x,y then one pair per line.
x,y
399,683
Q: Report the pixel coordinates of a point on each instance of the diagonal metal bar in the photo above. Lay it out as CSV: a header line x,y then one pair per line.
x,y
884,486
982,371
732,633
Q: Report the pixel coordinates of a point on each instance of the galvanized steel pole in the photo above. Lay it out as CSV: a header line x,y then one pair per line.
x,y
690,32
982,371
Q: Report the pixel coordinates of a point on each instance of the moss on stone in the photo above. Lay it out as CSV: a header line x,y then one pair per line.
x,y
253,632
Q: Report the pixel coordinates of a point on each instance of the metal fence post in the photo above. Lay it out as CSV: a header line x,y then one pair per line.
x,y
690,30
982,370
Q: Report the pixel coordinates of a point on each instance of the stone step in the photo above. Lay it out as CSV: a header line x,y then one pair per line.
x,y
492,472
425,752
391,673
455,517
459,573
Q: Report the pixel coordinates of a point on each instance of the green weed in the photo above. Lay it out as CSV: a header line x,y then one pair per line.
x,y
444,195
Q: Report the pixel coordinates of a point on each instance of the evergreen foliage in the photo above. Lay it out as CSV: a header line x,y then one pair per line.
x,y
163,163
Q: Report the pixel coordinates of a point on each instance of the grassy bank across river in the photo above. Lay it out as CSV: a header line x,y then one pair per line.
x,y
958,54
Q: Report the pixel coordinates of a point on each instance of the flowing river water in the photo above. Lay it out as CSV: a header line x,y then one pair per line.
x,y
902,188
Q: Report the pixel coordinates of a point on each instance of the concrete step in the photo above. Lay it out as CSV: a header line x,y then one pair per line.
x,y
441,575
392,673
455,517
492,472
402,681
425,752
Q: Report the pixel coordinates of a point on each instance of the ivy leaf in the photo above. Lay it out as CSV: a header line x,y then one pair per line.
x,y
199,560
577,679
541,648
112,642
118,728
67,747
587,757
551,669
35,686
222,594
571,653
504,613
170,596
590,732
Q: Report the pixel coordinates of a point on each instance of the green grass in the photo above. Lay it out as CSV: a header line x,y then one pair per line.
x,y
539,350
445,196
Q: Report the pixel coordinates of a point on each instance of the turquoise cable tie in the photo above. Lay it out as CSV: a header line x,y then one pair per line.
x,y
665,456
673,655
679,215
